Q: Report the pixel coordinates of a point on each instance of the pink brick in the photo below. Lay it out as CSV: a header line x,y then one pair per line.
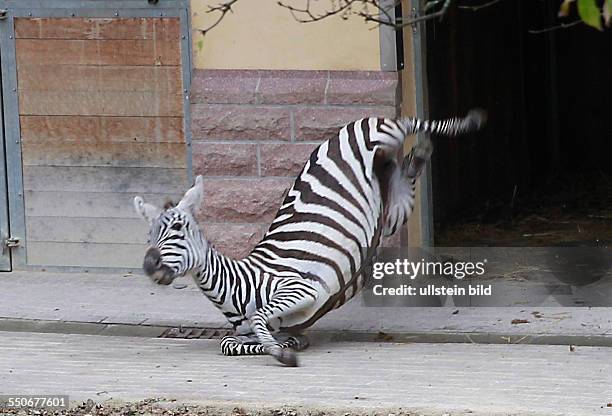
x,y
215,86
322,123
246,200
282,159
242,122
224,159
234,240
362,88
292,87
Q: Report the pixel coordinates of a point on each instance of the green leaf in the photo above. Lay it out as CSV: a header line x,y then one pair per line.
x,y
200,45
589,13
607,12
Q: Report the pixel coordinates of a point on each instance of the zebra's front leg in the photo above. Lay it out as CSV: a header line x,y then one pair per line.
x,y
297,342
290,298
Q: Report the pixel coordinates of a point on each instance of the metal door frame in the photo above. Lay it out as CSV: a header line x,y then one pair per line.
x,y
69,8
5,252
419,55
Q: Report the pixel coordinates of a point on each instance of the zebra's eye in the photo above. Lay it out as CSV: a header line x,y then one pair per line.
x,y
177,226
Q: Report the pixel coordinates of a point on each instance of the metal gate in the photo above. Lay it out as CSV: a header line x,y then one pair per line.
x,y
95,109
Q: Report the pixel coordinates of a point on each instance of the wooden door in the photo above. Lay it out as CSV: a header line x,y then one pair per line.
x,y
101,119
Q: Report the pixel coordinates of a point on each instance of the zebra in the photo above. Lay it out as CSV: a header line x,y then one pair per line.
x,y
350,193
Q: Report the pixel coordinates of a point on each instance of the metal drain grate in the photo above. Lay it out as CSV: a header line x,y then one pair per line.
x,y
194,333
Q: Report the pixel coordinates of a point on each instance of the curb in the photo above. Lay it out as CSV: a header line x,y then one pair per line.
x,y
159,331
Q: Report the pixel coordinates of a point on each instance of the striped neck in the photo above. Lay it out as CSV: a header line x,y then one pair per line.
x,y
216,275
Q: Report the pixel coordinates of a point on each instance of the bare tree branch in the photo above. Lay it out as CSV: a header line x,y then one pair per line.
x,y
222,9
482,6
381,15
369,10
550,29
432,4
310,16
375,11
388,17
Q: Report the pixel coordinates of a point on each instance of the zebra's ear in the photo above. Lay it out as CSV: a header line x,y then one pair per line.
x,y
147,211
193,197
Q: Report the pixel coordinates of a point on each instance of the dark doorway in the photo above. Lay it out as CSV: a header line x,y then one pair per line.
x,y
540,173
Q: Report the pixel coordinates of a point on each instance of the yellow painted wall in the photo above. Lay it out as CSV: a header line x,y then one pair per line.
x,y
262,35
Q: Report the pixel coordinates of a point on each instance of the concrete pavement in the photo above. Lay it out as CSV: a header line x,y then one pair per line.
x,y
132,305
425,379
94,336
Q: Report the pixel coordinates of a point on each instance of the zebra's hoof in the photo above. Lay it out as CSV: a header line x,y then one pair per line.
x,y
478,116
285,357
423,150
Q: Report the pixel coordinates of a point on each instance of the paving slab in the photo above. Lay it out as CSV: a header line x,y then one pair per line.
x,y
134,300
426,379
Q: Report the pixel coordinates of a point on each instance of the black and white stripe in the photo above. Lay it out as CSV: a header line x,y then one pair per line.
x,y
351,191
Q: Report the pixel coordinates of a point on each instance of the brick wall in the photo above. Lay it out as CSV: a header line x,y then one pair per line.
x,y
254,130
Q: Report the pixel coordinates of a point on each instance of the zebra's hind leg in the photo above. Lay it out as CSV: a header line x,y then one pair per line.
x,y
233,345
402,186
415,161
289,297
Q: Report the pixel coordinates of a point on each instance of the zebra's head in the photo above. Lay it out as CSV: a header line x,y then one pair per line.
x,y
176,243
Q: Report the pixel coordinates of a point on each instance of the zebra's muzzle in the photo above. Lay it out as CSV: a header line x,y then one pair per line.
x,y
155,269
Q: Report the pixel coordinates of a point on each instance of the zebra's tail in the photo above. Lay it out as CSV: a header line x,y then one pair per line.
x,y
474,120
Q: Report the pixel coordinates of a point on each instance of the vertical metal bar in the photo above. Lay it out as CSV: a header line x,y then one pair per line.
x,y
186,70
5,254
419,48
387,37
12,135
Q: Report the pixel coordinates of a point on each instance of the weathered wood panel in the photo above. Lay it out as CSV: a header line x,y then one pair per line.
x,y
104,179
89,204
97,28
44,77
162,155
101,103
95,129
98,52
85,254
87,230
101,113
